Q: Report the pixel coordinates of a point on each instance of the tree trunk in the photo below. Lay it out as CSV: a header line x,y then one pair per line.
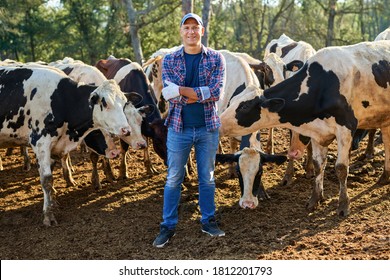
x,y
206,12
187,6
135,40
332,15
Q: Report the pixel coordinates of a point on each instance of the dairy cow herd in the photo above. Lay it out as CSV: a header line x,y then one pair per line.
x,y
321,96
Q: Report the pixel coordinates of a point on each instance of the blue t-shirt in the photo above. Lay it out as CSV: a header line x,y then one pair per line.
x,y
193,114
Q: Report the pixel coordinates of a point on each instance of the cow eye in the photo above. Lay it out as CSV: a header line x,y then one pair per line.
x,y
243,107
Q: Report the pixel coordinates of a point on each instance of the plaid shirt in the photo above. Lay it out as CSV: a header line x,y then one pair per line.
x,y
211,83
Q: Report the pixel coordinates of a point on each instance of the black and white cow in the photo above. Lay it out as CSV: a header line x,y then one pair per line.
x,y
384,35
338,90
289,50
81,72
250,162
52,113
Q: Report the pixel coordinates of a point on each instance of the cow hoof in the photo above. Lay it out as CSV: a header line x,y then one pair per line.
x,y
312,204
152,171
287,180
384,179
97,186
309,174
49,220
343,210
27,167
71,183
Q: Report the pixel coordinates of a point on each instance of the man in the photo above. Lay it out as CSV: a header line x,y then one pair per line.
x,y
194,79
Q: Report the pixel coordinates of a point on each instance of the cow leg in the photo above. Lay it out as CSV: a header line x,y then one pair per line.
x,y
262,192
288,175
342,169
110,177
369,153
309,166
9,152
123,167
69,163
1,165
95,181
26,158
83,147
46,178
269,149
319,161
385,177
232,172
67,172
148,163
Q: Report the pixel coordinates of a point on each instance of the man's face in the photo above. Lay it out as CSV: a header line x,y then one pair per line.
x,y
191,32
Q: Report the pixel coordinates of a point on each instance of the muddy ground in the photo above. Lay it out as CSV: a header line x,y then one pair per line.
x,y
121,220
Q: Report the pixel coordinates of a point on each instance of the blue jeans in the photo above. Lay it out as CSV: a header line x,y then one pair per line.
x,y
179,146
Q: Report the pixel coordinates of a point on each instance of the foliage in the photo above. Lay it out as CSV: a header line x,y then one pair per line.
x,y
93,29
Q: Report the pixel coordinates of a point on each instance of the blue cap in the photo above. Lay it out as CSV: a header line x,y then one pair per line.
x,y
191,15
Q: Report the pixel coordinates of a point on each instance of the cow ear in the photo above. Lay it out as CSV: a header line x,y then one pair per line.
x,y
278,159
146,110
225,158
274,105
133,97
294,65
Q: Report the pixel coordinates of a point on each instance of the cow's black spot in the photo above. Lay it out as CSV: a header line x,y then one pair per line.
x,y
304,139
96,141
237,91
69,103
381,72
12,96
323,99
33,92
104,102
288,48
272,49
248,112
28,112
67,70
36,122
15,125
365,104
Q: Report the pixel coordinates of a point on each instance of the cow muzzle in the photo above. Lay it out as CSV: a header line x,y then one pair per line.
x,y
113,153
295,154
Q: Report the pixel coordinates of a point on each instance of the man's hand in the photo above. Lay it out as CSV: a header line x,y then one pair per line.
x,y
171,91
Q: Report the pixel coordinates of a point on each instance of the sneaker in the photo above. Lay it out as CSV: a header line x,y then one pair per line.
x,y
212,229
163,237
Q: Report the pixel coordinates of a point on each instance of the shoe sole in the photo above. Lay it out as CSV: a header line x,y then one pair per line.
x,y
162,245
214,235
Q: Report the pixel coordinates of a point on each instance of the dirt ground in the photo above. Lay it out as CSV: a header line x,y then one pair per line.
x,y
121,220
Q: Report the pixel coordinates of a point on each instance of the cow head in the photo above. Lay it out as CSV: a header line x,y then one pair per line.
x,y
108,102
136,117
248,111
250,169
264,73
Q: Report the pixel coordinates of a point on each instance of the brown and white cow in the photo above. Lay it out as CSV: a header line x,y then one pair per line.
x,y
131,78
52,113
338,90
